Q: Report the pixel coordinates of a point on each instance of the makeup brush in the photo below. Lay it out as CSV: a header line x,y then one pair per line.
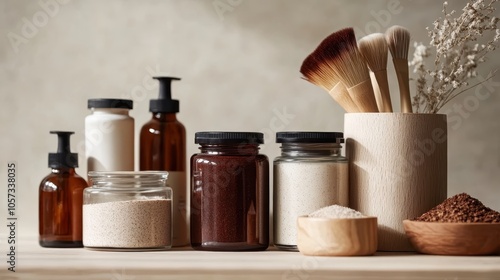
x,y
329,82
398,40
374,49
339,53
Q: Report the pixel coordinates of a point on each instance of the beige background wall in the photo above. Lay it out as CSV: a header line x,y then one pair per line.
x,y
239,60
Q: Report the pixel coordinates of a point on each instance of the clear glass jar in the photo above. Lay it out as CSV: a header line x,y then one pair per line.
x,y
310,174
126,210
229,192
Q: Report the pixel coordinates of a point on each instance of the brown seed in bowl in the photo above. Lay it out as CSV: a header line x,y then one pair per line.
x,y
461,208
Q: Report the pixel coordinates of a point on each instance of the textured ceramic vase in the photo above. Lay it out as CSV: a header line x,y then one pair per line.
x,y
397,169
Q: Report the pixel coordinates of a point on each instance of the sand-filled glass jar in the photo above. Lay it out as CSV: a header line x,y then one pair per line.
x,y
229,192
126,210
310,174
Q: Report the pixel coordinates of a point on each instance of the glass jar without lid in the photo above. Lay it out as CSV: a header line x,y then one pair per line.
x,y
310,174
126,210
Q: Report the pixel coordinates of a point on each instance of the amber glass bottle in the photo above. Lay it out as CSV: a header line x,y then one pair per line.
x,y
60,198
163,144
163,148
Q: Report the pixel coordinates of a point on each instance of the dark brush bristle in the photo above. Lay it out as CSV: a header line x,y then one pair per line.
x,y
340,52
309,67
339,40
314,73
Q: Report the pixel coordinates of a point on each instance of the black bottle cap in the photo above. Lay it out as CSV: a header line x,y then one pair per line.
x,y
219,137
64,157
309,137
110,103
164,103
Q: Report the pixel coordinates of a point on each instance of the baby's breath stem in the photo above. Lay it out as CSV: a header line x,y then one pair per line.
x,y
458,54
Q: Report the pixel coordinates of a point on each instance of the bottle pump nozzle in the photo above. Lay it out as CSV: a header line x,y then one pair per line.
x,y
164,103
64,157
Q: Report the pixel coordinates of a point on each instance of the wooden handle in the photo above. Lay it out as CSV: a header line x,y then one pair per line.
x,y
383,85
363,96
341,96
376,91
401,66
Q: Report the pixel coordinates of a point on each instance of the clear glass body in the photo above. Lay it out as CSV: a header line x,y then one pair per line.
x,y
127,211
307,177
229,198
60,209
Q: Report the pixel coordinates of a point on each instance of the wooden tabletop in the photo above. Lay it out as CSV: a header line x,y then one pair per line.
x,y
34,262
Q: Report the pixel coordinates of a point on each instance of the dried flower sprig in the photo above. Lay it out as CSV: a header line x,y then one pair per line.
x,y
456,58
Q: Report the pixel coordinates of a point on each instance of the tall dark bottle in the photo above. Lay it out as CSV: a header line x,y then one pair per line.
x,y
163,148
60,198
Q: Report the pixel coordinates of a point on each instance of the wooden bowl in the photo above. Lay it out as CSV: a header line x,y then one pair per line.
x,y
460,239
337,237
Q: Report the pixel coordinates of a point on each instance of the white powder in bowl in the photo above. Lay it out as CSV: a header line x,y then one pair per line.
x,y
336,212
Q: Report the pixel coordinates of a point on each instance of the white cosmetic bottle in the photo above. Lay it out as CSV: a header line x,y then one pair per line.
x,y
109,135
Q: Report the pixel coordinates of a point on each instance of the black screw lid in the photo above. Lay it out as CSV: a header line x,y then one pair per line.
x,y
110,103
309,137
64,157
219,137
164,103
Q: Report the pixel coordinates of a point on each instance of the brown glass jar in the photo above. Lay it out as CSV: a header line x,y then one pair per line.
x,y
229,192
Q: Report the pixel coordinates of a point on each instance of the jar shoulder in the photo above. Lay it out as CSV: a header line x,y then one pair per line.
x,y
201,160
311,159
222,157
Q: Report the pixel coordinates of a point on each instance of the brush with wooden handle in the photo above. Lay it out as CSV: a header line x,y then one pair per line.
x,y
329,82
339,54
374,49
398,40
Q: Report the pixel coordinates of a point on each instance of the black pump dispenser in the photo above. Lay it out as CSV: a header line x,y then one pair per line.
x,y
64,157
164,103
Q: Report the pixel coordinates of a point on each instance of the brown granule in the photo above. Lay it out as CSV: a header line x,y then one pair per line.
x,y
461,208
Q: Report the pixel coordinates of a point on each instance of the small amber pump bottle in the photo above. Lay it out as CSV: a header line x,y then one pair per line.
x,y
60,198
163,148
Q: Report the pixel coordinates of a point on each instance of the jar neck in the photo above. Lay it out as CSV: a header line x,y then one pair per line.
x,y
105,111
230,149
128,179
311,149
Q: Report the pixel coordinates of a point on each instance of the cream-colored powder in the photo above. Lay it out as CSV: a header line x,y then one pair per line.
x,y
301,188
130,224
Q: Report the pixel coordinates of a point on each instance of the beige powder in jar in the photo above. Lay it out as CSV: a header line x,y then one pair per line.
x,y
303,188
132,224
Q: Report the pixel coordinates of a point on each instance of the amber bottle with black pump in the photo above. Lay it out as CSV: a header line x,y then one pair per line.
x,y
60,198
163,148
